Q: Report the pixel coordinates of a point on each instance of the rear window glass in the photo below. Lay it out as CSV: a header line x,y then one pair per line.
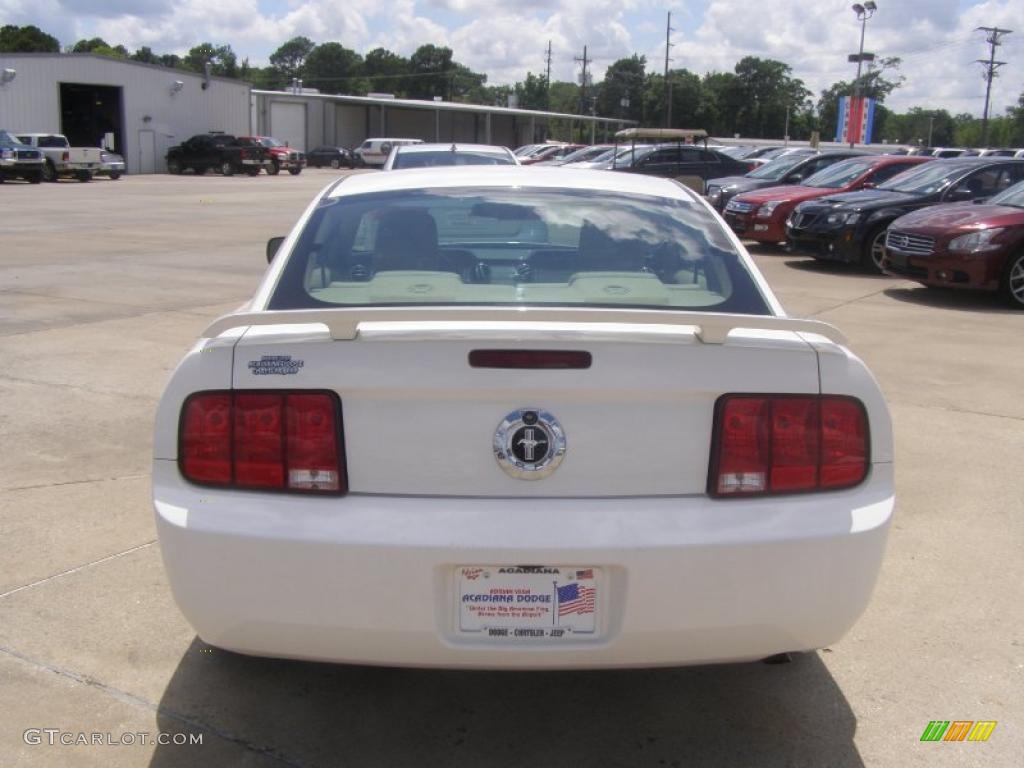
x,y
522,246
447,157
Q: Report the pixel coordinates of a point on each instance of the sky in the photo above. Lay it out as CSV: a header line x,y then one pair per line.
x,y
937,39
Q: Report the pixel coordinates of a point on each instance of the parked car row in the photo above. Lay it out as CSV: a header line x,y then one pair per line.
x,y
229,155
36,157
944,222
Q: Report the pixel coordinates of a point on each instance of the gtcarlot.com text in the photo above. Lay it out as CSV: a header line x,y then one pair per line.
x,y
56,737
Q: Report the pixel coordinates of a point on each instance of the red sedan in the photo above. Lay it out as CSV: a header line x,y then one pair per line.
x,y
761,215
961,245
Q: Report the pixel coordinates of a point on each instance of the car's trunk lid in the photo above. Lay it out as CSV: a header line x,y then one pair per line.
x,y
420,420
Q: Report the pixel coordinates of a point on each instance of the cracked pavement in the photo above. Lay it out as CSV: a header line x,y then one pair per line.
x,y
103,286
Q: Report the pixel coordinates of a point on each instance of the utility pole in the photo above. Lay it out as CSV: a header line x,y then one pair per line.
x,y
992,38
547,77
668,81
583,82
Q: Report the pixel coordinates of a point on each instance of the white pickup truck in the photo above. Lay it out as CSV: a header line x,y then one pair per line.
x,y
61,158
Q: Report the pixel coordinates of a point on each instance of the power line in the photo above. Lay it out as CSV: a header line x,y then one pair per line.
x,y
994,33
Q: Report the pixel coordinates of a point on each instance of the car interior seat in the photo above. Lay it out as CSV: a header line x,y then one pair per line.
x,y
406,239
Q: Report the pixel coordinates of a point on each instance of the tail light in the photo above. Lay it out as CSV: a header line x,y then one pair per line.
x,y
284,441
765,444
65,156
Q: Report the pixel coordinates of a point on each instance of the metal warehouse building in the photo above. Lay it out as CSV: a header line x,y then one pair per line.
x,y
308,120
147,108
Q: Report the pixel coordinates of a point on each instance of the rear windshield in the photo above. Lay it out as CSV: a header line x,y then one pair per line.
x,y
838,175
447,157
778,168
522,246
51,141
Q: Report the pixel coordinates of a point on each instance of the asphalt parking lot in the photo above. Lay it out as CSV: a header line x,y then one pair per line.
x,y
103,286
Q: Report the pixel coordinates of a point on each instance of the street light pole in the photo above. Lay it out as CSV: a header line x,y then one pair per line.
x,y
864,12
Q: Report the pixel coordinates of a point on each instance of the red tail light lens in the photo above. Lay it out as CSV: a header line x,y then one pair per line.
x,y
205,445
288,441
764,444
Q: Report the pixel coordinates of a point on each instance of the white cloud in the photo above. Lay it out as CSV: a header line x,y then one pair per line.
x,y
507,38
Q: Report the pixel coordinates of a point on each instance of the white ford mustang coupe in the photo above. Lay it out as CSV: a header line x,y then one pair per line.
x,y
509,418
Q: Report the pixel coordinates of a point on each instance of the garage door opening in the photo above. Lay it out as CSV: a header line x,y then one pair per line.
x,y
89,112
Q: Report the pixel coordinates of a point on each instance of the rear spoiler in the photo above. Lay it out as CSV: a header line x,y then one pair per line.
x,y
344,323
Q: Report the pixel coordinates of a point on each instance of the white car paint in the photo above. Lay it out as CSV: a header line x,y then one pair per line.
x,y
373,576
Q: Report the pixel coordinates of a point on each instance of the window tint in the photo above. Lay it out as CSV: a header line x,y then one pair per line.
x,y
886,172
515,246
778,168
52,141
1013,196
447,157
985,183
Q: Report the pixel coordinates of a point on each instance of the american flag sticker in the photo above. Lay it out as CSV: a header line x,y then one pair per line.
x,y
587,574
574,598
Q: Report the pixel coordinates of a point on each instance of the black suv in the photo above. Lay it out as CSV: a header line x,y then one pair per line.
x,y
788,169
850,226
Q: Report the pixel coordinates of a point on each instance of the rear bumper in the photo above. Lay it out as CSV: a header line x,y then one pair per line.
x,y
370,579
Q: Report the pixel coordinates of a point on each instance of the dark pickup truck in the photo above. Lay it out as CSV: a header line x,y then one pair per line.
x,y
219,151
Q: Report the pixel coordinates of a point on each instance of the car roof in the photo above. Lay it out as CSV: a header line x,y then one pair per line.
x,y
451,147
554,177
974,161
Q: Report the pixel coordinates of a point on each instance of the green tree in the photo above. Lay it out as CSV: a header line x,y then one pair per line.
x,y
172,60
533,92
146,56
288,60
88,46
767,88
387,72
333,68
29,39
431,69
468,86
722,100
689,104
222,60
99,45
624,81
564,97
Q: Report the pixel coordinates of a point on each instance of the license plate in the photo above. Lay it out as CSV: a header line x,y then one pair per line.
x,y
527,603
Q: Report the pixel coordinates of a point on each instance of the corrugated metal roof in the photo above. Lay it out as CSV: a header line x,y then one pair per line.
x,y
445,106
126,62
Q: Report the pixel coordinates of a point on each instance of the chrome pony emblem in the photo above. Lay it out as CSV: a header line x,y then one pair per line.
x,y
529,444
